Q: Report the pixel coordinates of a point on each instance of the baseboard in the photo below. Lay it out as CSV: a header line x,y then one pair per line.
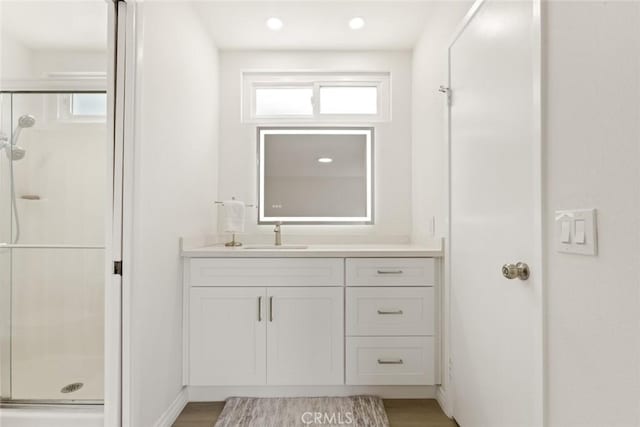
x,y
443,400
171,414
221,393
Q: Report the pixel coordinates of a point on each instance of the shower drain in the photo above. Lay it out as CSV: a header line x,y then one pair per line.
x,y
70,388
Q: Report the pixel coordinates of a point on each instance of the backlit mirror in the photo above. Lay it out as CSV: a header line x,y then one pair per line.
x,y
315,175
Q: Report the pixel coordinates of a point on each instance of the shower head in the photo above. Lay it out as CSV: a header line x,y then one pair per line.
x,y
25,121
15,152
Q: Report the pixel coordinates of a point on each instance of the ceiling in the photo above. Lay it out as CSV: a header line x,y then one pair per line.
x,y
56,24
308,24
320,25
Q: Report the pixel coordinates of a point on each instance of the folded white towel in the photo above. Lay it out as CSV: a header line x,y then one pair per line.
x,y
234,216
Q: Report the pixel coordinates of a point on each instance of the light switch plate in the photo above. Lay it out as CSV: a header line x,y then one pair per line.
x,y
583,238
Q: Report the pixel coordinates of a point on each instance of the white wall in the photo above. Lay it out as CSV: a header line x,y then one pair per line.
x,y
238,170
592,121
15,58
45,62
175,182
19,62
429,121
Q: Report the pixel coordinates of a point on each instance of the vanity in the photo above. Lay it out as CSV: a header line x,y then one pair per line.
x,y
319,315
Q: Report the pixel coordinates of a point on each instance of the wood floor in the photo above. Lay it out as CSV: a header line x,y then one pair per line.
x,y
401,413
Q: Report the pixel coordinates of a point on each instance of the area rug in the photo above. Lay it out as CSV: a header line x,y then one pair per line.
x,y
353,411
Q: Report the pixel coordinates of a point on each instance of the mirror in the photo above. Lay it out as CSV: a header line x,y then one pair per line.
x,y
315,175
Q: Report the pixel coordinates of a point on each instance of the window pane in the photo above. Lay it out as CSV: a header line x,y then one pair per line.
x,y
89,104
284,101
348,100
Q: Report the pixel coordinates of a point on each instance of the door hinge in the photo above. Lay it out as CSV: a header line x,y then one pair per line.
x,y
446,91
117,268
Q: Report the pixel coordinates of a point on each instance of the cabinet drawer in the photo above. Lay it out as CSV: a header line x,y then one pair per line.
x,y
390,271
390,361
390,311
266,272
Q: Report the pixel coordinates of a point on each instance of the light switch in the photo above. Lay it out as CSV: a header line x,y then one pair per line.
x,y
576,231
579,235
565,232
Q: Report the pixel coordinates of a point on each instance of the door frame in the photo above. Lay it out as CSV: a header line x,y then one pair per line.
x,y
113,233
120,116
446,395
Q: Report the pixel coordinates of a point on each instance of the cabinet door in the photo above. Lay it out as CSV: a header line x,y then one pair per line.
x,y
305,335
227,336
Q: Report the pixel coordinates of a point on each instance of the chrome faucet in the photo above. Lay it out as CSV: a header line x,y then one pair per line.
x,y
278,233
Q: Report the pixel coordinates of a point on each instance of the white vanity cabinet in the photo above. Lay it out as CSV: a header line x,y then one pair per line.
x,y
241,332
304,319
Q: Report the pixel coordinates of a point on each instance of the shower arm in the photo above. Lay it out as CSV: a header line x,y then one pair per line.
x,y
16,135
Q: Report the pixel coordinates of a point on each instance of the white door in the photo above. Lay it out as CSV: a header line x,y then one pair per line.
x,y
227,336
495,216
305,336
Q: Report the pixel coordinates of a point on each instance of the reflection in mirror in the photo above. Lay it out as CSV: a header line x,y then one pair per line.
x,y
315,175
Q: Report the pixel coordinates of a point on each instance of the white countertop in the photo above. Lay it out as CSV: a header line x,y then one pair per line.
x,y
316,251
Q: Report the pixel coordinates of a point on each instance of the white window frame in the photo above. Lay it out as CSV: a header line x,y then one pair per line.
x,y
252,80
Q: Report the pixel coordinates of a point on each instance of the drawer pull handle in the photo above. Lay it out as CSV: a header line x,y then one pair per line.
x,y
390,312
390,362
270,309
259,309
390,271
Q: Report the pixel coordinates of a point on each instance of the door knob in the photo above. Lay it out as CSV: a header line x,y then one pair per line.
x,y
519,270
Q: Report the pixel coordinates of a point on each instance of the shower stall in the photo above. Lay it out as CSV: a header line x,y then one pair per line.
x,y
53,191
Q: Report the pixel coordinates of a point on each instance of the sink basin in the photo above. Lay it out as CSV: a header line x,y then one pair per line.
x,y
249,247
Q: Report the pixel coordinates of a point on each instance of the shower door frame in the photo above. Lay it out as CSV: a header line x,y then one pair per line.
x,y
119,124
121,52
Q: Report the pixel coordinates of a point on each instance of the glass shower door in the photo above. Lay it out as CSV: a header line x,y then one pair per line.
x,y
5,253
52,201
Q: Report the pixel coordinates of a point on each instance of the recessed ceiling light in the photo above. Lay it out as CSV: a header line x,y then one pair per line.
x,y
356,23
325,160
274,24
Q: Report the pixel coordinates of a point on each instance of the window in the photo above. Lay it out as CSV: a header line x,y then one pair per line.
x,y
348,100
88,104
315,97
284,101
82,107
